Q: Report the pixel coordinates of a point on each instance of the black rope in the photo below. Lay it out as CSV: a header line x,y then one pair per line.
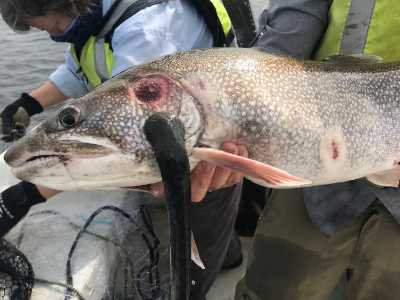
x,y
16,272
75,226
75,292
69,278
151,242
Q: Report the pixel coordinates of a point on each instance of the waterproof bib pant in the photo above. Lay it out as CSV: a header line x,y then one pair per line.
x,y
291,258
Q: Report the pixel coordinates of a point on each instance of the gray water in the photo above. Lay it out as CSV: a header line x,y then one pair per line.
x,y
26,60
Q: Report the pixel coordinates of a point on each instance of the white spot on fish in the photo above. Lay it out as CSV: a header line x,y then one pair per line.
x,y
245,64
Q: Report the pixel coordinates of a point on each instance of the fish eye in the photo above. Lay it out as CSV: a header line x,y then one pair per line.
x,y
69,117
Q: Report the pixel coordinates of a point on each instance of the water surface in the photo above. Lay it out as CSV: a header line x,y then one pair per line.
x,y
26,60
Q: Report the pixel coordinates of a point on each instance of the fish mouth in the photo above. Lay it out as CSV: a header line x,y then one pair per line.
x,y
31,168
21,154
44,159
39,161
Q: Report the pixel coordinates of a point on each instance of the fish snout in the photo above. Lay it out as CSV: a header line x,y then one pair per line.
x,y
16,154
22,150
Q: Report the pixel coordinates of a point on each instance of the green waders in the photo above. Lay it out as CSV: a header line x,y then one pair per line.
x,y
292,260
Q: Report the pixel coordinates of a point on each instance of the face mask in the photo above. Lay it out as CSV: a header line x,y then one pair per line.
x,y
68,34
81,28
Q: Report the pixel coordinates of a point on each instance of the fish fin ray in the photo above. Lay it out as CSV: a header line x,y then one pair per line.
x,y
272,176
195,254
388,178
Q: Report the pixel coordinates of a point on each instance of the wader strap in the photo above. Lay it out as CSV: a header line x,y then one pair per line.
x,y
116,15
124,10
99,47
242,21
131,10
100,60
356,28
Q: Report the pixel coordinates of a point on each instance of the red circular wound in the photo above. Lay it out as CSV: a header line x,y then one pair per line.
x,y
150,89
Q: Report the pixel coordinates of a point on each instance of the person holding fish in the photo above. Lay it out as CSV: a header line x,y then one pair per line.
x,y
106,38
338,241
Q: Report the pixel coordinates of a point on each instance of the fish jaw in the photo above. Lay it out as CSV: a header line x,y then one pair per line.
x,y
72,172
69,164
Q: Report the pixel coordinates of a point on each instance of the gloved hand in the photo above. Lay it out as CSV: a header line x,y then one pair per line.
x,y
15,203
15,117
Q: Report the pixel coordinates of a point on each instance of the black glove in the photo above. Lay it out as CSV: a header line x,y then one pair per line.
x,y
15,117
15,203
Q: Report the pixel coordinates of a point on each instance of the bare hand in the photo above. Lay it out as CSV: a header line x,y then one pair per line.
x,y
207,177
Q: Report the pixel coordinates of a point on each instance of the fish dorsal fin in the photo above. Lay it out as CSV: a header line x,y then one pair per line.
x,y
353,59
269,175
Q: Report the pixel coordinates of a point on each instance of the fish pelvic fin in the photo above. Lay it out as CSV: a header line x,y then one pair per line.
x,y
273,177
389,178
195,255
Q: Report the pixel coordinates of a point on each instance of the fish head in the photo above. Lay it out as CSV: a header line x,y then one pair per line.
x,y
98,142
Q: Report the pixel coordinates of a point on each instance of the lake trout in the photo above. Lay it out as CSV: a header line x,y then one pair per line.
x,y
304,123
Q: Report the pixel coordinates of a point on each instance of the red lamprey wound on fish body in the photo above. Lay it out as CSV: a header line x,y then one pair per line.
x,y
149,90
335,150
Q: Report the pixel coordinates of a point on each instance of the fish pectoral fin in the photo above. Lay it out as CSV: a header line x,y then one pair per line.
x,y
195,255
389,178
272,176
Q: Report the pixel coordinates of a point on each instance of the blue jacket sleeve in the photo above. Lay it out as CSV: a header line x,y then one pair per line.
x,y
293,27
67,80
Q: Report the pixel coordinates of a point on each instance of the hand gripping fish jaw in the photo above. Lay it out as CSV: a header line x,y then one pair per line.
x,y
166,137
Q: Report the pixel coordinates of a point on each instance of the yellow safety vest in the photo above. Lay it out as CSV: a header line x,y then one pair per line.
x,y
96,59
362,26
